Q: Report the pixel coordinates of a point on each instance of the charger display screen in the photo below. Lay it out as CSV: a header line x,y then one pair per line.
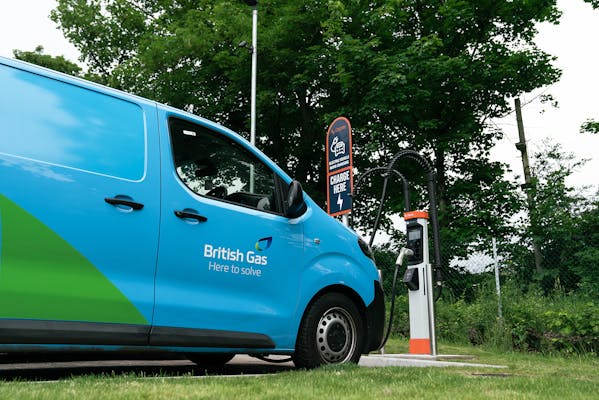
x,y
415,233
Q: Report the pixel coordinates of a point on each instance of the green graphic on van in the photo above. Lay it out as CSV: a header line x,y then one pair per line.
x,y
43,277
264,243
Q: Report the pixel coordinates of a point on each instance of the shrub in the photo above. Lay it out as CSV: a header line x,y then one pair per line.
x,y
567,323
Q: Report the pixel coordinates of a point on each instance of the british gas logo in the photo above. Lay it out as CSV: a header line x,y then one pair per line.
x,y
263,244
221,253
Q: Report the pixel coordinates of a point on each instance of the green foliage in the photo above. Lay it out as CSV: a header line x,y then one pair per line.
x,y
590,126
58,63
585,262
575,329
531,321
564,222
401,317
474,321
594,3
555,323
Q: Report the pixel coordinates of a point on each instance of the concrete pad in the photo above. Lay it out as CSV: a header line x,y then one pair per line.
x,y
438,357
405,360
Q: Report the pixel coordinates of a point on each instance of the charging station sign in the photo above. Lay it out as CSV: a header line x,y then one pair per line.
x,y
339,167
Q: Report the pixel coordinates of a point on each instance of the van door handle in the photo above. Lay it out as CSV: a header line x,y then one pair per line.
x,y
190,215
115,201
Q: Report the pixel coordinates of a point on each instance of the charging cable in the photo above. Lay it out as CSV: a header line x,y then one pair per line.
x,y
404,252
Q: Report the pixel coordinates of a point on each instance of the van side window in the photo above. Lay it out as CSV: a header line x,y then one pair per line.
x,y
215,166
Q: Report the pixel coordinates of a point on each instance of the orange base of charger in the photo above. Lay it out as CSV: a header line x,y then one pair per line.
x,y
420,346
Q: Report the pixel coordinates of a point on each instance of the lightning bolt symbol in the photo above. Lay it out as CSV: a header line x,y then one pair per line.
x,y
340,201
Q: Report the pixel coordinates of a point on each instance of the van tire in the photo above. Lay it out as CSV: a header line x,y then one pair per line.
x,y
210,359
331,332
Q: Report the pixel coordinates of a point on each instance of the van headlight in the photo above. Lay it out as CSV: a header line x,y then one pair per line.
x,y
365,249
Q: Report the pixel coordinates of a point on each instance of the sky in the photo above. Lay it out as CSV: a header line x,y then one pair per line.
x,y
577,92
24,24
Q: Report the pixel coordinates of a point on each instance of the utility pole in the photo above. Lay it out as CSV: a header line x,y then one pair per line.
x,y
521,145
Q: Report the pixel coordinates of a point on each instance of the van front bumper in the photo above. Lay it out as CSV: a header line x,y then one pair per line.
x,y
375,319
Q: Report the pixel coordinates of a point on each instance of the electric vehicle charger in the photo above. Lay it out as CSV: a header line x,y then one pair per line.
x,y
386,174
406,252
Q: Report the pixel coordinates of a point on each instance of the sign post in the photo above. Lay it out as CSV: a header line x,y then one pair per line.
x,y
339,167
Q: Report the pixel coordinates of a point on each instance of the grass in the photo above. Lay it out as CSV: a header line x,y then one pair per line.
x,y
527,376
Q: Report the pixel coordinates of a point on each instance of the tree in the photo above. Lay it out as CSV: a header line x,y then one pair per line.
x,y
594,3
564,221
590,126
428,75
57,63
586,241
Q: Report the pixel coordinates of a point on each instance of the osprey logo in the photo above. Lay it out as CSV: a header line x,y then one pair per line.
x,y
264,243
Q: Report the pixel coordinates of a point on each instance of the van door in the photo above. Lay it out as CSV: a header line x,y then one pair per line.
x,y
228,265
79,213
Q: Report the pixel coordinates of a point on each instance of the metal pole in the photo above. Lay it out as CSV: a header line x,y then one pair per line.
x,y
254,72
497,283
431,308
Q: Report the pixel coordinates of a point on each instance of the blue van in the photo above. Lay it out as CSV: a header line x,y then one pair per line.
x,y
128,225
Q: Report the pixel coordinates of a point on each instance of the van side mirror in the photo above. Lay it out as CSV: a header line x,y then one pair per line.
x,y
296,205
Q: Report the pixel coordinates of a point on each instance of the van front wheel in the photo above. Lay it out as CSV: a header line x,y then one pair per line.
x,y
331,333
